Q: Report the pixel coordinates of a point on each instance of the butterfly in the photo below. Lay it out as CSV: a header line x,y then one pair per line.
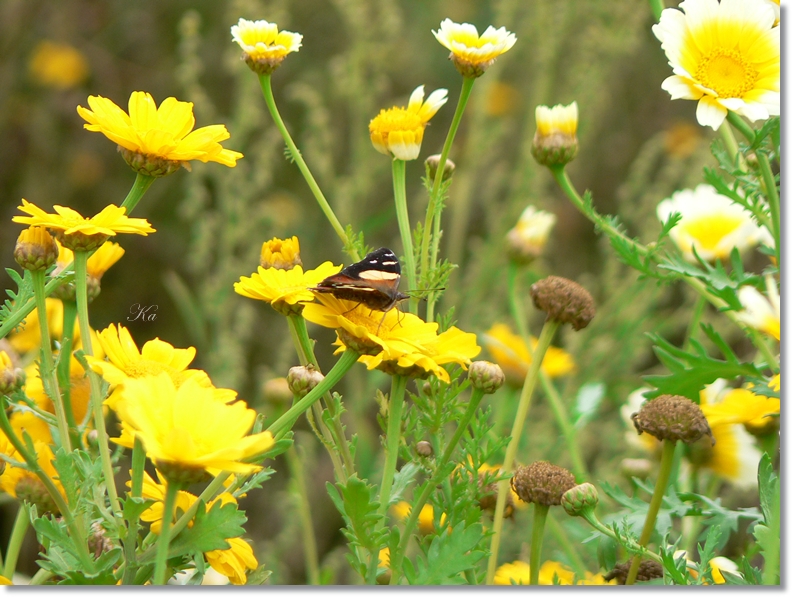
x,y
373,281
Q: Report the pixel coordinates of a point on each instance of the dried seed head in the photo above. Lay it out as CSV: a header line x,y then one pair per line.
x,y
564,300
302,380
579,499
542,483
675,418
648,570
485,376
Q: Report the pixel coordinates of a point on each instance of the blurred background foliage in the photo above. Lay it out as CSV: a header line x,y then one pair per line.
x,y
358,56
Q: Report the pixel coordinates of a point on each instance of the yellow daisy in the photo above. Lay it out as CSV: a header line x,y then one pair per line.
x,y
398,132
511,353
759,312
284,289
726,55
24,485
233,562
426,525
519,573
741,406
472,53
712,224
263,46
99,262
58,65
27,336
528,238
187,428
151,134
280,253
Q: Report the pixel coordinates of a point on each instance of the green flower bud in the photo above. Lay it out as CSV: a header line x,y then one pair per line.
x,y
579,499
302,380
485,376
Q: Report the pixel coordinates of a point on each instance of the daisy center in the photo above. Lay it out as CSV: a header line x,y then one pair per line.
x,y
144,368
395,119
727,73
709,231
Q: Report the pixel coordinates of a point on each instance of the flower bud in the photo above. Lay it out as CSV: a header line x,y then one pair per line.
x,y
277,391
485,376
302,380
150,165
636,467
11,378
648,570
35,249
579,499
424,448
433,162
674,418
542,483
98,542
564,301
31,490
555,142
527,240
281,254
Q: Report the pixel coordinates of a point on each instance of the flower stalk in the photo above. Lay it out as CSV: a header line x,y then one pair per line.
x,y
548,331
666,463
67,344
403,217
136,491
537,535
169,508
139,188
304,510
21,524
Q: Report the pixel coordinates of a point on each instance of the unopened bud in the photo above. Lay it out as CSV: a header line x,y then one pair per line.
x,y
555,142
485,376
579,499
11,378
636,467
432,163
542,483
674,418
564,300
424,448
35,249
527,240
302,380
277,390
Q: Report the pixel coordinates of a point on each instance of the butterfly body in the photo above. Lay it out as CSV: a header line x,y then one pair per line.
x,y
372,281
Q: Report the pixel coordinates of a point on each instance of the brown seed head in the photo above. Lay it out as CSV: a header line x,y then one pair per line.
x,y
675,418
564,300
542,483
648,570
424,448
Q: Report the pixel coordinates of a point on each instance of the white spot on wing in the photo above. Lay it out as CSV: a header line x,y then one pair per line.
x,y
373,274
389,262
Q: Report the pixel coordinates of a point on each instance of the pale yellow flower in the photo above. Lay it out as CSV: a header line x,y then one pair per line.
x,y
58,65
263,45
398,132
528,238
555,142
711,223
759,312
472,53
726,55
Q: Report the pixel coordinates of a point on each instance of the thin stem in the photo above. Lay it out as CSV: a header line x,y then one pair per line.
x,y
412,520
22,312
772,198
47,364
67,344
537,535
432,210
294,154
558,532
304,509
666,463
80,281
403,217
136,491
392,442
287,419
698,311
21,525
629,544
727,135
40,577
742,126
657,8
548,331
139,188
161,563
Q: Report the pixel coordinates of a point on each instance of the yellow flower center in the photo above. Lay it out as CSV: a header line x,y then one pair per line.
x,y
143,368
396,119
727,73
709,231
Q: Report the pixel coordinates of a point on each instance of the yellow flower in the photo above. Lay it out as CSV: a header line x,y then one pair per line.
x,y
5,581
726,55
644,441
75,231
741,406
28,336
24,485
284,289
711,223
528,238
717,565
398,132
511,353
26,421
426,523
58,65
233,562
384,556
519,573
280,254
126,361
11,377
188,427
473,54
555,141
759,312
36,249
263,45
164,133
99,262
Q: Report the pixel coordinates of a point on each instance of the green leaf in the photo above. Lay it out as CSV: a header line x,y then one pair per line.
x,y
448,556
67,474
358,504
606,552
259,576
133,507
210,529
768,535
587,402
402,480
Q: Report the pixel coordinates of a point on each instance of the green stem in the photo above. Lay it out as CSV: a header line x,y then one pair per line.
x,y
287,419
531,378
537,535
392,442
64,372
80,281
40,577
161,563
432,209
772,555
304,509
517,310
727,135
19,314
21,525
666,463
412,520
698,311
629,544
294,153
773,200
136,491
695,529
742,126
403,217
657,8
559,534
47,365
139,188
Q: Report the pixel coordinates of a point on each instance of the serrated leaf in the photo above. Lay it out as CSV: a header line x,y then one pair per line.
x,y
449,555
402,480
133,507
67,474
209,530
259,576
358,504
